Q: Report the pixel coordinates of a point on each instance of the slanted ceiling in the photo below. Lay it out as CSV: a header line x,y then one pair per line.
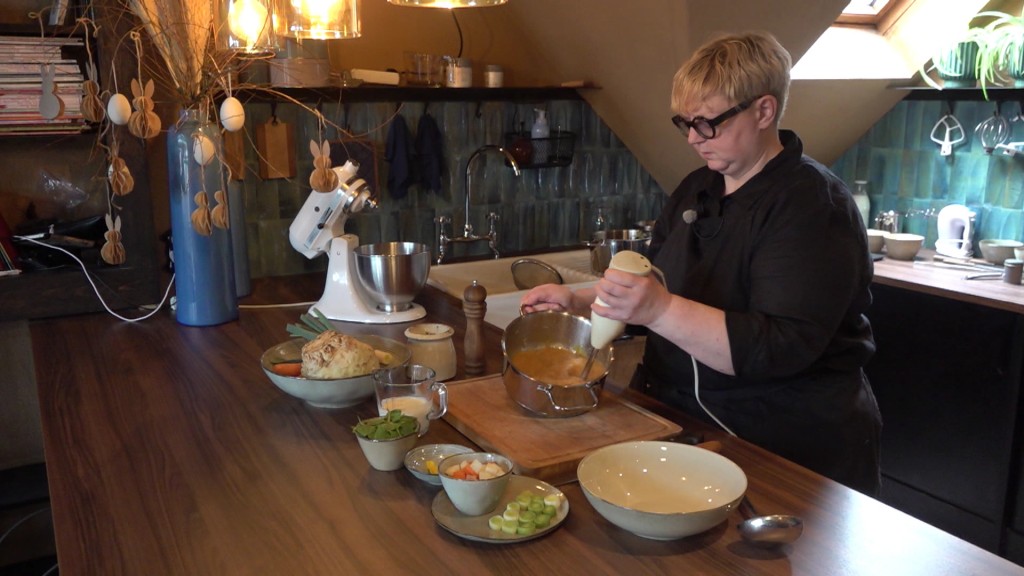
x,y
631,50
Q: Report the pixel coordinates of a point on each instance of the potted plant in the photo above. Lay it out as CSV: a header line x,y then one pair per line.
x,y
1003,50
386,439
956,64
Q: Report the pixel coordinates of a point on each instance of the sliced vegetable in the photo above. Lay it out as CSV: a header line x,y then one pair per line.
x,y
287,368
520,516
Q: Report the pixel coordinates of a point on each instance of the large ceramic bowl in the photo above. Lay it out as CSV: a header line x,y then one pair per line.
x,y
903,246
336,393
661,490
998,251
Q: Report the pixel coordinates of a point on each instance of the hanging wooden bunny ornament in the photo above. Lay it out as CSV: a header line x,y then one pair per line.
x,y
113,251
50,104
120,178
219,213
201,215
144,123
323,179
92,107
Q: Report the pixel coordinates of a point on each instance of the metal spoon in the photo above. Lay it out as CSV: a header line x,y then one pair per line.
x,y
771,530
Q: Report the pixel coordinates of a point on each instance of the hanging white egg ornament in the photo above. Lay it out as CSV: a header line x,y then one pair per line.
x,y
232,114
119,110
202,149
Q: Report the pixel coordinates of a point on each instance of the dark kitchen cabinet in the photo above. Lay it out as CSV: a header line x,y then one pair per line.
x,y
947,378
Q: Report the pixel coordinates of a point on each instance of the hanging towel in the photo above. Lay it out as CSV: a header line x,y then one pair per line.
x,y
429,159
398,154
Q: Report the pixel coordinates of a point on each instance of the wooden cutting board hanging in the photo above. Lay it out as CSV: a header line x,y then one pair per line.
x,y
275,148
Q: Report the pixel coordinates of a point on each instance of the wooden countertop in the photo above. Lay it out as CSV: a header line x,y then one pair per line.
x,y
926,276
170,452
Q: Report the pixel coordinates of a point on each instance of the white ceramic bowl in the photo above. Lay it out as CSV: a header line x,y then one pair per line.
x,y
387,455
337,393
902,246
876,240
997,251
416,459
661,490
475,497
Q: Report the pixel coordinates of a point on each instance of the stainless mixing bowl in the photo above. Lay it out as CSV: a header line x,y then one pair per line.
x,y
392,273
608,244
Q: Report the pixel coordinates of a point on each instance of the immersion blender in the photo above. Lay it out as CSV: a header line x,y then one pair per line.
x,y
604,330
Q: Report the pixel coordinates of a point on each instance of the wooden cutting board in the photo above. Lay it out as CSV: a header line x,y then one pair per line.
x,y
546,448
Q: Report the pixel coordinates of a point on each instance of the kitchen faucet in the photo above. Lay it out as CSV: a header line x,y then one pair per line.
x,y
444,238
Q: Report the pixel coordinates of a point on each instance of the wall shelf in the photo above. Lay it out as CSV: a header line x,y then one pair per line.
x,y
995,93
377,93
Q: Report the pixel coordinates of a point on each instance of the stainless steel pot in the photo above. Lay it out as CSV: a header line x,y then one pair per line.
x,y
608,244
541,330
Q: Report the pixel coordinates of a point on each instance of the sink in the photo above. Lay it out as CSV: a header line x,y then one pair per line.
x,y
495,275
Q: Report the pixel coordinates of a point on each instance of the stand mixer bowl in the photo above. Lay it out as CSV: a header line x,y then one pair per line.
x,y
392,273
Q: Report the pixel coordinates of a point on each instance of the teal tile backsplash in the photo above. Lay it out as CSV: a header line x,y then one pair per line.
x,y
541,208
905,171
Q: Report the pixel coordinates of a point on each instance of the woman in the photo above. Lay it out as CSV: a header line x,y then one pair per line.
x,y
760,325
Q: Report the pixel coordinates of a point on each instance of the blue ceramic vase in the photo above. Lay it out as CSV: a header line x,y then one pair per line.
x,y
204,282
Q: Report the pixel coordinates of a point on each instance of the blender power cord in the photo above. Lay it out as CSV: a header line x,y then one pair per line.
x,y
696,394
93,284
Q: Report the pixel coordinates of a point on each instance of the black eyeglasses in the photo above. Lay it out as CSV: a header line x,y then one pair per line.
x,y
706,128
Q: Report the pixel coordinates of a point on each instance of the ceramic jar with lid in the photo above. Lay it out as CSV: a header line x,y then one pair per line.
x,y
431,345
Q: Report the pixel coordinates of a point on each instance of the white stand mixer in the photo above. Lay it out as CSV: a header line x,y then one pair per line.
x,y
320,227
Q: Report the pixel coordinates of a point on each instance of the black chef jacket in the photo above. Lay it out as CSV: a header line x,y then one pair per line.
x,y
785,256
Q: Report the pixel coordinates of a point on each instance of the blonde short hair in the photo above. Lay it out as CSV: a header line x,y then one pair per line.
x,y
738,67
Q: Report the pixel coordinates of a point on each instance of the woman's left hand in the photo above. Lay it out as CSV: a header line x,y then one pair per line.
x,y
637,300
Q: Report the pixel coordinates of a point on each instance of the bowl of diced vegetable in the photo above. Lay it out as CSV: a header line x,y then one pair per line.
x,y
475,481
423,461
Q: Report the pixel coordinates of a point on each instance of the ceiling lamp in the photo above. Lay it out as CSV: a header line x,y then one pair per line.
x,y
321,19
448,3
246,27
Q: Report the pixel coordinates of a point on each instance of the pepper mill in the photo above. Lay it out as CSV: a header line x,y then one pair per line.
x,y
474,306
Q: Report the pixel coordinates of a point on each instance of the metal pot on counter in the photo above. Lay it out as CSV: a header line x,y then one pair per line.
x,y
609,243
547,329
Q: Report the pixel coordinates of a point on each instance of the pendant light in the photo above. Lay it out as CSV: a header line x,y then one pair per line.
x,y
246,27
321,19
448,3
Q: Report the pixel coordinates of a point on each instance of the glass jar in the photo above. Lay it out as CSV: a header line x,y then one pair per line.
x,y
431,345
460,73
494,76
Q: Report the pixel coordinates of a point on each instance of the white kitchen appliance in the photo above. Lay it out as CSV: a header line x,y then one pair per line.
x,y
320,227
955,227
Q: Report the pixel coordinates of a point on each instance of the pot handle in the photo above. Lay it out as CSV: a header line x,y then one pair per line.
x,y
547,392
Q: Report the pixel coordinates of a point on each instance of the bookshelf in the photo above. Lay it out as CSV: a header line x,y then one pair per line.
x,y
66,291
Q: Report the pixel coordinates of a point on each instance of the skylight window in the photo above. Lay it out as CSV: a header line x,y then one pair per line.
x,y
865,12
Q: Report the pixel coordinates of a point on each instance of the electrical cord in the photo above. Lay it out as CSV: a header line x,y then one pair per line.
x,y
459,28
93,284
23,519
696,394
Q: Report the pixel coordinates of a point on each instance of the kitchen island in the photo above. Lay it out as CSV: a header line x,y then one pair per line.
x,y
170,452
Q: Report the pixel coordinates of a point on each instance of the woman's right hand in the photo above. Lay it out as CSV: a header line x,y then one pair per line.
x,y
547,297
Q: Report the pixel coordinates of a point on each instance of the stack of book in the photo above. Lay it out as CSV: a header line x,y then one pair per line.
x,y
21,85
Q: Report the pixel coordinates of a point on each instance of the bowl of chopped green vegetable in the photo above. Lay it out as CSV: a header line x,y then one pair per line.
x,y
282,364
385,440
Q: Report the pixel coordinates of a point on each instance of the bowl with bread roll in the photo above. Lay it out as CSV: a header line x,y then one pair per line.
x,y
332,369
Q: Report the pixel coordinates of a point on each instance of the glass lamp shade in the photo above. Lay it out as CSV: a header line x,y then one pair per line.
x,y
246,27
448,3
321,19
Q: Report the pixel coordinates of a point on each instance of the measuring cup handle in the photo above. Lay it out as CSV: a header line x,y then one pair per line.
x,y
442,401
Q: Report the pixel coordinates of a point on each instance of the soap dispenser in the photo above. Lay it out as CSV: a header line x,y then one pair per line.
x,y
540,134
860,196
